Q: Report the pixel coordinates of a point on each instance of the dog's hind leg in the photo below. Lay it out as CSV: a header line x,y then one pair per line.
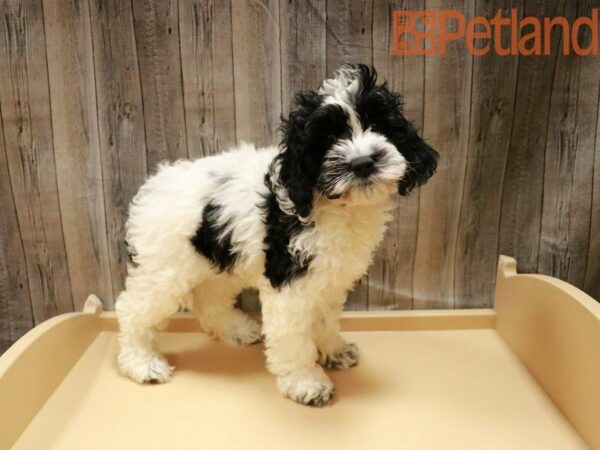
x,y
213,305
147,302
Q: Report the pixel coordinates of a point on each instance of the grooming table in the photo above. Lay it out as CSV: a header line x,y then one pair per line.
x,y
525,375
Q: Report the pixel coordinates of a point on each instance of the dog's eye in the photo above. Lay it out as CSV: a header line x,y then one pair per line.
x,y
378,154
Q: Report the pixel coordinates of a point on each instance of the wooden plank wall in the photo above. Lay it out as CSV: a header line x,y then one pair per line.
x,y
94,93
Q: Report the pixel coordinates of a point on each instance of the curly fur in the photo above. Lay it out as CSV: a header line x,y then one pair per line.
x,y
299,221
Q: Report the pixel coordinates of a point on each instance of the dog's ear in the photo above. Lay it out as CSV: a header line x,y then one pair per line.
x,y
383,110
300,162
421,161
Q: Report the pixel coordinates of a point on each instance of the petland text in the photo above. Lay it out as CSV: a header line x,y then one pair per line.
x,y
428,32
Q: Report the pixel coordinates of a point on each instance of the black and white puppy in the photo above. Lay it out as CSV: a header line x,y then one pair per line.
x,y
298,221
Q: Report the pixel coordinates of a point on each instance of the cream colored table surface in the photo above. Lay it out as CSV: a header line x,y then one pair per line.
x,y
458,389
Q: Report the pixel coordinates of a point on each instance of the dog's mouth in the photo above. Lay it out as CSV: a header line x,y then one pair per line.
x,y
365,187
361,174
334,187
364,194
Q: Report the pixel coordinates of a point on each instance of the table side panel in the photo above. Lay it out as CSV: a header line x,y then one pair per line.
x,y
554,328
36,364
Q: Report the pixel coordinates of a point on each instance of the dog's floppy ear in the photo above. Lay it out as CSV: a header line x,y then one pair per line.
x,y
383,110
421,161
300,163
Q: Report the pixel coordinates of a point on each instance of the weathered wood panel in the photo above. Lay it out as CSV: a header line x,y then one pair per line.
x,y
592,275
120,123
16,316
493,89
257,70
77,147
156,24
207,64
349,33
303,47
257,77
524,176
446,117
25,105
568,177
391,277
350,40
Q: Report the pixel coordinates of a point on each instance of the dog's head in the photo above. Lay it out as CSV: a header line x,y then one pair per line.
x,y
350,141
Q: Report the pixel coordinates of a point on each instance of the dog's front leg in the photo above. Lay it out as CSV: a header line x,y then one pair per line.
x,y
288,321
334,351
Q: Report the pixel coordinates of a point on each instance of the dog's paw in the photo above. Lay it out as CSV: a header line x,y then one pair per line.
x,y
313,388
340,360
152,369
158,371
246,332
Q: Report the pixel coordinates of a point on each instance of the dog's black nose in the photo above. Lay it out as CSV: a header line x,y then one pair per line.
x,y
363,166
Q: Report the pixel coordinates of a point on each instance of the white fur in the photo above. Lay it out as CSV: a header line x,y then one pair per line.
x,y
300,320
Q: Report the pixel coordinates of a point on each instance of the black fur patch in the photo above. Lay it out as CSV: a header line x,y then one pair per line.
x,y
281,266
210,241
131,254
308,133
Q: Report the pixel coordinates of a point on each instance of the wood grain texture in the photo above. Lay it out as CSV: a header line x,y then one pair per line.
x,y
391,276
592,274
257,77
25,104
207,65
493,91
349,33
257,70
350,40
446,119
524,176
303,47
156,24
568,179
16,315
77,147
120,124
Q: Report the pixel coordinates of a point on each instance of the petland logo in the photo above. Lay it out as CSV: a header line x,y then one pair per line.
x,y
429,32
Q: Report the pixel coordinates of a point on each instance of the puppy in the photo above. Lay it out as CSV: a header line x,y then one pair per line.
x,y
298,221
